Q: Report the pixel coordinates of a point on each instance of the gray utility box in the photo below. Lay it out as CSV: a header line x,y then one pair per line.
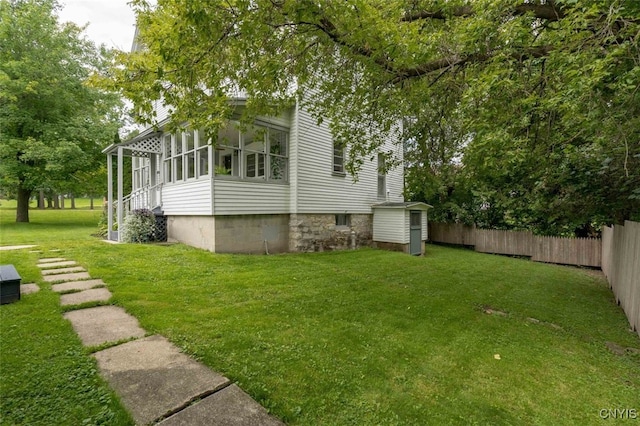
x,y
9,284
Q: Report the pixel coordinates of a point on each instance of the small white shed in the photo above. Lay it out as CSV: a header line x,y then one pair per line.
x,y
401,226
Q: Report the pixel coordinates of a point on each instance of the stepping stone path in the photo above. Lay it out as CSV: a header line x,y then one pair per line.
x,y
77,285
154,380
62,270
67,277
3,248
92,295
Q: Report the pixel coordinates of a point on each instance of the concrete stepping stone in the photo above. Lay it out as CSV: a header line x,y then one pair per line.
x,y
62,270
154,379
92,295
103,324
57,264
67,277
16,247
51,259
29,288
77,285
230,406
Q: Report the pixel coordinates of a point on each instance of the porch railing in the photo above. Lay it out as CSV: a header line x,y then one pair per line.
x,y
147,197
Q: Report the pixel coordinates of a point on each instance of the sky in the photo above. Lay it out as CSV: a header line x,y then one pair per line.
x,y
111,22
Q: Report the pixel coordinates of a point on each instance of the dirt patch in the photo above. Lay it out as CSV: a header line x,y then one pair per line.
x,y
489,310
548,324
621,350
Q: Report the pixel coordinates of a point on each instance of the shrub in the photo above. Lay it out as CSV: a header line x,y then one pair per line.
x,y
139,226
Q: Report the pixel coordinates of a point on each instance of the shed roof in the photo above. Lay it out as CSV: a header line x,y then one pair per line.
x,y
407,205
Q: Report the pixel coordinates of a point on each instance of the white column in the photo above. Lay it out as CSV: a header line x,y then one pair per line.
x,y
120,167
109,195
152,181
160,159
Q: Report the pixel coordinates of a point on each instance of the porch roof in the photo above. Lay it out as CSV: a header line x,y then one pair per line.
x,y
146,143
408,205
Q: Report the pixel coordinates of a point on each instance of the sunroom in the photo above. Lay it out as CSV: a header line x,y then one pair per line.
x,y
176,172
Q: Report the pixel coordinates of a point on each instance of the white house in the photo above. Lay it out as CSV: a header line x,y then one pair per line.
x,y
279,186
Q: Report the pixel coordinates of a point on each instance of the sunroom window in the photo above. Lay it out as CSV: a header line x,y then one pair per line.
x,y
168,157
190,153
186,155
140,168
254,152
227,152
178,161
257,153
277,155
202,154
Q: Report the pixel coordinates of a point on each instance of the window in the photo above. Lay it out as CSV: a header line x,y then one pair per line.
x,y
190,153
168,154
278,155
382,177
177,158
202,154
186,156
257,153
227,152
338,158
415,219
254,152
343,220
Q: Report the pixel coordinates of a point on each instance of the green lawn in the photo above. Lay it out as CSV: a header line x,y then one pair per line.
x,y
359,337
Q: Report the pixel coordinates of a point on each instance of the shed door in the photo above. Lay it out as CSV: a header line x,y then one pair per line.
x,y
415,232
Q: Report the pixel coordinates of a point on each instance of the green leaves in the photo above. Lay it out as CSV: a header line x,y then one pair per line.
x,y
496,90
53,123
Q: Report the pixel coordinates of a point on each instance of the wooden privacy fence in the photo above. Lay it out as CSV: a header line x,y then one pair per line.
x,y
566,251
621,266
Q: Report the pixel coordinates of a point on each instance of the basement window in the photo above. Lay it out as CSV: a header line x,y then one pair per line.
x,y
343,221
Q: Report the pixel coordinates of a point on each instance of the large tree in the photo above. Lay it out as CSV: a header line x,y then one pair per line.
x,y
51,121
537,101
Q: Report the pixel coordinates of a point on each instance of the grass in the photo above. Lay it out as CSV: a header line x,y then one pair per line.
x,y
48,226
47,376
362,337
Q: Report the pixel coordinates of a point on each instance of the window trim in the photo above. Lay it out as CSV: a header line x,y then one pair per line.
x,y
382,177
339,154
206,150
262,159
343,221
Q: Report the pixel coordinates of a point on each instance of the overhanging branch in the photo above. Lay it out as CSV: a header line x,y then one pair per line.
x,y
548,11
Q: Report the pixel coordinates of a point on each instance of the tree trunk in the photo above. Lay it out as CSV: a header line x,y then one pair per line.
x,y
22,212
49,202
91,202
56,201
41,200
73,201
62,201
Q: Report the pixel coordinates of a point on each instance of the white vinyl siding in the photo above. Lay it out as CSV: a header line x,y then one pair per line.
x,y
233,197
319,190
391,226
188,198
160,111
